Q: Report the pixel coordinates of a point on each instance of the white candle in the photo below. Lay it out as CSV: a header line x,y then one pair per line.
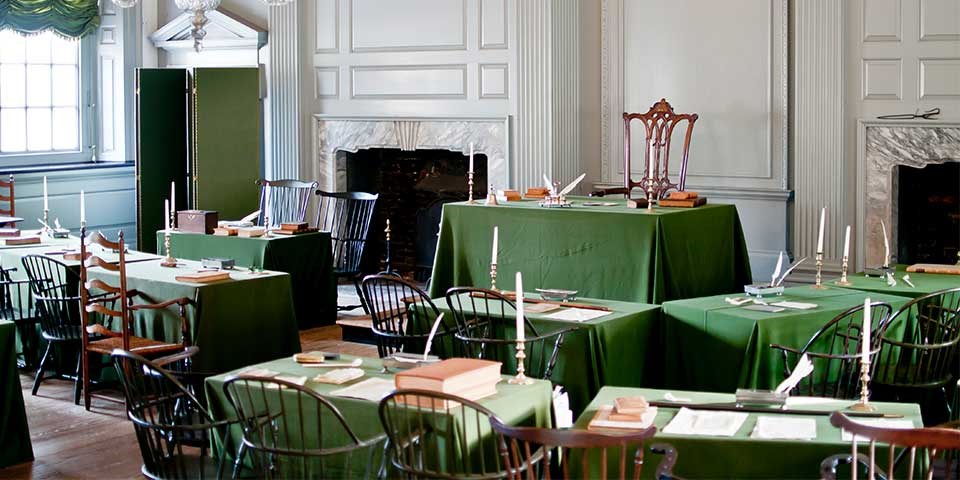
x,y
83,208
823,215
886,245
496,241
846,244
166,214
173,197
865,343
520,333
471,157
650,162
46,202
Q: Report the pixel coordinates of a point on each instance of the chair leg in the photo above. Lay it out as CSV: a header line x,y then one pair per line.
x,y
77,381
85,373
363,303
40,369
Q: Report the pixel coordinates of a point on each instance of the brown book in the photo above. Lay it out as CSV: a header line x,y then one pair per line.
x,y
606,420
225,231
9,232
251,232
293,227
204,277
690,203
682,195
454,375
934,268
537,192
630,405
475,393
21,241
512,195
280,231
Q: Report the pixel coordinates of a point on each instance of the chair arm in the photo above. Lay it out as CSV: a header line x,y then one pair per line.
x,y
609,191
777,346
665,467
188,352
182,301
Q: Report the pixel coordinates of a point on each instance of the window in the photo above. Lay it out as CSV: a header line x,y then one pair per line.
x,y
41,107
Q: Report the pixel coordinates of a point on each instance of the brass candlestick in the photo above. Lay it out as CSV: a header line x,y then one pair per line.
x,y
843,282
520,378
493,276
650,192
169,260
491,196
819,284
863,405
470,187
46,222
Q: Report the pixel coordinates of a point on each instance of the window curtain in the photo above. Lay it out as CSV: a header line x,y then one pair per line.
x,y
68,18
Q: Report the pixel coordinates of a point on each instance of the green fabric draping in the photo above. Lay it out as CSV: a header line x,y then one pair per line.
x,y
608,252
923,283
616,349
14,433
67,18
714,346
514,404
307,258
741,456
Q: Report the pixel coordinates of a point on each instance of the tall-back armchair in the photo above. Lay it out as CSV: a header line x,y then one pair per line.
x,y
347,216
287,200
659,124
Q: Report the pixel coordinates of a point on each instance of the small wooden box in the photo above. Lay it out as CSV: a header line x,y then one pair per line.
x,y
197,221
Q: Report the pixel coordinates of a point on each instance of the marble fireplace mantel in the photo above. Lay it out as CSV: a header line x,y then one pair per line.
x,y
331,133
882,146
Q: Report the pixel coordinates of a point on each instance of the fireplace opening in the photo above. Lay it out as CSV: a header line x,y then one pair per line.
x,y
413,186
928,221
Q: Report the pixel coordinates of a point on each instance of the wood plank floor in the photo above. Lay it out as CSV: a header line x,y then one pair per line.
x,y
71,443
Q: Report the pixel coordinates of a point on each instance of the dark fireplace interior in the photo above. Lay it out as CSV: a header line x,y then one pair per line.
x,y
929,214
413,187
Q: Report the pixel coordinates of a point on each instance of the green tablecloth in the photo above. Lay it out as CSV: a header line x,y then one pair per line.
x,y
923,283
15,444
604,252
306,257
236,322
714,346
617,349
515,404
741,456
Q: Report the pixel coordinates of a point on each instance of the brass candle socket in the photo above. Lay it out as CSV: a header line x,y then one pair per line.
x,y
46,222
864,404
168,261
819,279
493,277
470,187
650,193
520,378
844,282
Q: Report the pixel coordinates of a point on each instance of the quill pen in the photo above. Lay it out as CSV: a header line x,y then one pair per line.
x,y
804,367
433,332
572,185
249,218
776,271
789,270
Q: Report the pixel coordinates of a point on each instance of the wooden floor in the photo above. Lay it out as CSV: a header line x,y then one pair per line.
x,y
69,442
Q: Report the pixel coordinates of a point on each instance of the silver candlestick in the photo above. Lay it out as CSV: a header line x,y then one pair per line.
x,y
650,192
46,222
168,261
863,405
844,282
470,187
520,378
493,276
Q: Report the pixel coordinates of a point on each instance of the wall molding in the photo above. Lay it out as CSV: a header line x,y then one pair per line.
x,y
461,94
483,44
461,45
283,154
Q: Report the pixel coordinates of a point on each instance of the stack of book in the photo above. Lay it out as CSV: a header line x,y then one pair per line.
x,y
468,378
293,228
626,413
684,199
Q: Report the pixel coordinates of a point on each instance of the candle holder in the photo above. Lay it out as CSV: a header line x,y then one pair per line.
x,y
520,378
819,283
266,224
864,405
168,261
470,187
46,222
491,196
844,282
650,193
173,218
493,277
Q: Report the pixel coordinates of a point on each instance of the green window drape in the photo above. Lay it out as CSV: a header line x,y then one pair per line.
x,y
68,18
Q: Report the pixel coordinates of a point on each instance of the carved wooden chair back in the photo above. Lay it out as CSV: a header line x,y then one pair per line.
x,y
347,216
659,124
288,431
890,452
486,328
7,204
835,351
402,315
288,200
112,295
534,453
437,435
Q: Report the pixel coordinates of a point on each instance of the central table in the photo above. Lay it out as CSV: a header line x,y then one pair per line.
x,y
247,319
923,283
616,349
15,446
606,252
306,257
515,404
714,346
741,456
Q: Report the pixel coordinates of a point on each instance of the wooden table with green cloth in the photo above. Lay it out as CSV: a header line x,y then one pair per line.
x,y
515,404
306,257
923,283
247,319
619,348
742,456
604,252
15,446
711,345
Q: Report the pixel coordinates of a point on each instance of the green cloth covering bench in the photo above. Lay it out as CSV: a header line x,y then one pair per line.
x,y
515,404
604,252
15,446
741,456
306,257
923,283
711,345
615,349
244,320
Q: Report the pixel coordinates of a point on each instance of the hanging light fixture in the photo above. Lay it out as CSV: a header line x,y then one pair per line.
x,y
125,3
199,9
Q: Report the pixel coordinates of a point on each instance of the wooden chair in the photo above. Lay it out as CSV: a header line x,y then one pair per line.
x,y
484,318
347,216
931,443
97,304
16,305
924,360
402,315
288,431
166,417
659,123
7,204
534,453
288,200
835,351
425,444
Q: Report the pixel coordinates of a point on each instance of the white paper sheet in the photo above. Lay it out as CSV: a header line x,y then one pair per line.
x,y
785,427
877,422
372,389
814,401
795,305
577,314
645,420
705,422
561,408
